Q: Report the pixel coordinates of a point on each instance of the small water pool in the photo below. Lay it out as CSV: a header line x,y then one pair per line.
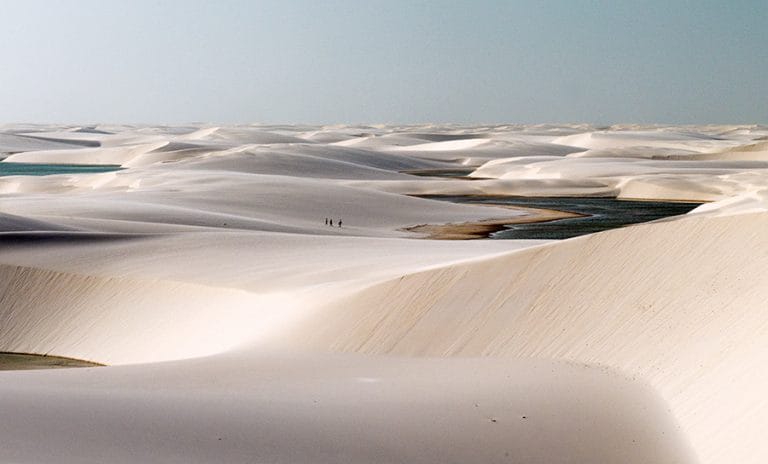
x,y
39,169
599,214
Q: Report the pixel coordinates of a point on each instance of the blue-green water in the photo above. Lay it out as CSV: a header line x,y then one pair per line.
x,y
36,169
598,214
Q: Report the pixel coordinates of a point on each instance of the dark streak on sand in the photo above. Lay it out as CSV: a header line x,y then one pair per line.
x,y
63,237
455,173
27,361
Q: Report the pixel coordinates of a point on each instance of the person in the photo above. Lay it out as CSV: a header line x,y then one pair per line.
x,y
331,222
339,222
326,221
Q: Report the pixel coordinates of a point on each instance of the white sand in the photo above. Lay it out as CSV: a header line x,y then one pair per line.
x,y
240,328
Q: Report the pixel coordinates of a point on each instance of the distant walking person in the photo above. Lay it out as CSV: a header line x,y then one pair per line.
x,y
339,223
326,221
331,222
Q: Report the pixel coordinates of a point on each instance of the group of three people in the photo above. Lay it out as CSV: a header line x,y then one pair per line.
x,y
329,222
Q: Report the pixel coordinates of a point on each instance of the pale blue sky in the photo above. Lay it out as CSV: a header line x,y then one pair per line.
x,y
311,61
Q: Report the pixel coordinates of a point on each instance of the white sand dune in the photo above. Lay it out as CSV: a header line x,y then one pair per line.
x,y
690,140
473,152
246,135
378,139
533,187
750,152
652,171
283,164
315,161
598,300
239,327
639,152
115,155
219,199
328,409
43,303
12,143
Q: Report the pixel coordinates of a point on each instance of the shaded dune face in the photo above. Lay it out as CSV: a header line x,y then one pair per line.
x,y
597,299
117,321
328,409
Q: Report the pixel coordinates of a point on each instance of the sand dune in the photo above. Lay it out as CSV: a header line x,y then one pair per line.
x,y
12,143
118,321
329,409
749,152
597,300
640,172
217,199
473,152
243,135
655,138
323,162
116,155
239,327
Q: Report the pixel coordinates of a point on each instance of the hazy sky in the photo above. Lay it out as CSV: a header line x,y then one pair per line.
x,y
316,61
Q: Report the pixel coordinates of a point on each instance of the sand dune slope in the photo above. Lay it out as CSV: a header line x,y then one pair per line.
x,y
118,320
113,155
693,331
331,409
